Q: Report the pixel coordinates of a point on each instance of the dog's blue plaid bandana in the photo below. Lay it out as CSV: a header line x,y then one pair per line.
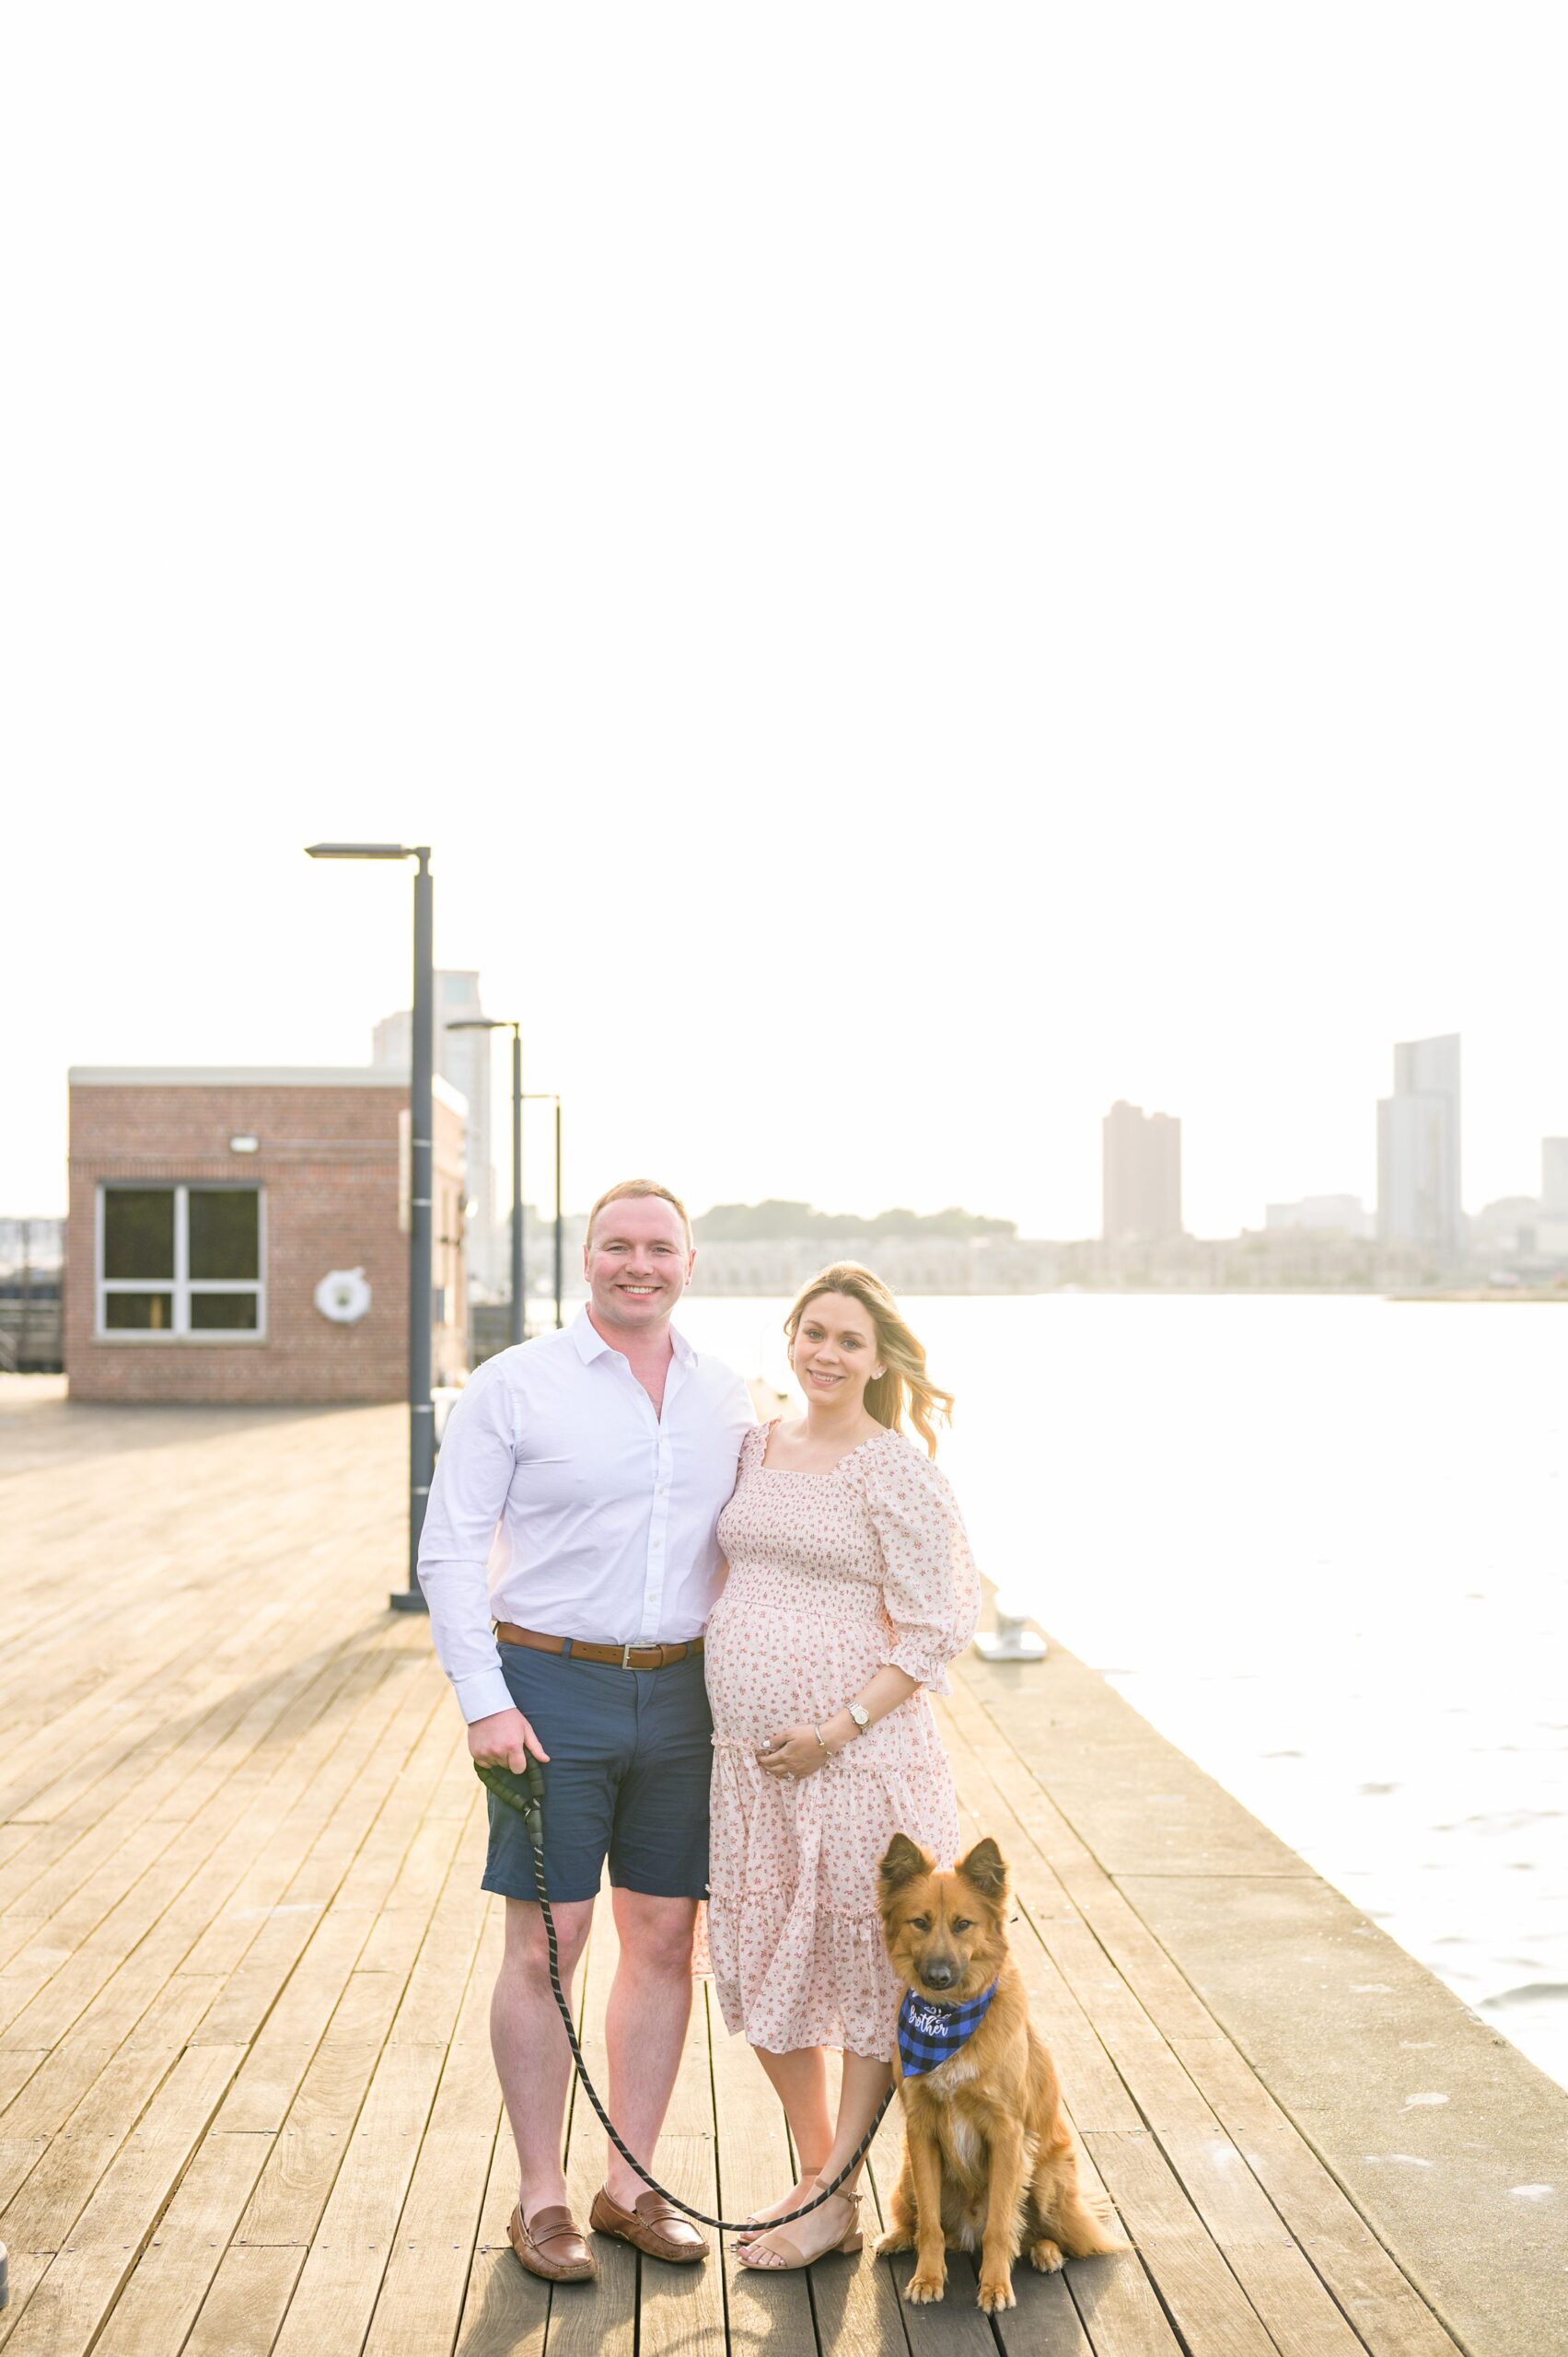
x,y
929,2033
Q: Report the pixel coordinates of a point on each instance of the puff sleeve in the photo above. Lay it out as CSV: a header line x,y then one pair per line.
x,y
930,1584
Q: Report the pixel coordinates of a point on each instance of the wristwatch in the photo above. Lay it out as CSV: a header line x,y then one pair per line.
x,y
860,1714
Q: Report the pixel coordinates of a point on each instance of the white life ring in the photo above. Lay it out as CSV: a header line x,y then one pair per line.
x,y
343,1296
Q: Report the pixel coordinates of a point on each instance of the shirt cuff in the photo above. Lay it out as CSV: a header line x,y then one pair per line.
x,y
482,1692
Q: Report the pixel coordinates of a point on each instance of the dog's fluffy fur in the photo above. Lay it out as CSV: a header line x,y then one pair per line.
x,y
988,2156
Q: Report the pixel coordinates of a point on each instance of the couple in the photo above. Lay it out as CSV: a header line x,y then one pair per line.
x,y
670,1604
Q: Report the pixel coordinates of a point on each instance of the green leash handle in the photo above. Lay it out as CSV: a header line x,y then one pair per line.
x,y
525,1794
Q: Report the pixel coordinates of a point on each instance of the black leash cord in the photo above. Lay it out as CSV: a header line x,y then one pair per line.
x,y
502,1782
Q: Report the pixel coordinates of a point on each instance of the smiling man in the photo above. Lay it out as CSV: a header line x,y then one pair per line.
x,y
570,1561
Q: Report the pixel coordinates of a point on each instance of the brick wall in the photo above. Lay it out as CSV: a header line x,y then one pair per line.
x,y
328,1166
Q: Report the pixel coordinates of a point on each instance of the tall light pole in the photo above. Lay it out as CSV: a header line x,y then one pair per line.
x,y
519,1288
548,1096
422,1123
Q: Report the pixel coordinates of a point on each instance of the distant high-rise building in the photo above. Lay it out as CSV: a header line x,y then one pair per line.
x,y
1318,1215
1418,1148
1554,1177
1142,1174
462,1058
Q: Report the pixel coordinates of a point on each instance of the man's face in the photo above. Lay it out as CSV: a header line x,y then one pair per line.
x,y
636,1262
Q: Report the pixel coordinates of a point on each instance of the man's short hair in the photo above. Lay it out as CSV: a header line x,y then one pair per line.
x,y
638,1189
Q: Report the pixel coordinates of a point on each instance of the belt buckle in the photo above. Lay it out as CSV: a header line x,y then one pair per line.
x,y
626,1652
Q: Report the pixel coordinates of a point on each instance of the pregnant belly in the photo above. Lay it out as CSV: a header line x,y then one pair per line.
x,y
774,1667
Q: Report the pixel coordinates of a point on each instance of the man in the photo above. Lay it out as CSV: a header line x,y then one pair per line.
x,y
576,1505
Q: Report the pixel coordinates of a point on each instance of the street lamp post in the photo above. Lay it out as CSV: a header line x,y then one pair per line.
x,y
519,1286
547,1096
422,1120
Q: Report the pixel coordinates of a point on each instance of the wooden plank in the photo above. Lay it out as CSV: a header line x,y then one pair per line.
x,y
1210,2308
169,2281
422,2295
294,2187
756,2164
336,2296
69,2132
681,2311
173,1903
336,2292
242,2311
73,1900
590,2318
505,2308
71,2298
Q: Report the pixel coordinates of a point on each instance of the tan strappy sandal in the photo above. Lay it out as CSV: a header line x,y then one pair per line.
x,y
849,2242
757,2224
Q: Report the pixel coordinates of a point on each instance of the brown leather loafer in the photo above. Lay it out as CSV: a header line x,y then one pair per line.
x,y
549,2244
652,2224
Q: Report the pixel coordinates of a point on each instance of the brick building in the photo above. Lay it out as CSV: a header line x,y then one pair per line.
x,y
242,1235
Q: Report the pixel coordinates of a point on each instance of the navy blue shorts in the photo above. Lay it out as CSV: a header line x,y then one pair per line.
x,y
631,1757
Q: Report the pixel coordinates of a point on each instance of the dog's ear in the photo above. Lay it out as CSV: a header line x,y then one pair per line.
x,y
905,1862
986,1868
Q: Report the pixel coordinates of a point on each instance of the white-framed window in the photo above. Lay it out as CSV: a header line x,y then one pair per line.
x,y
178,1262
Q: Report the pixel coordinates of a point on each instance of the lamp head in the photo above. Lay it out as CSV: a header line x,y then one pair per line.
x,y
359,851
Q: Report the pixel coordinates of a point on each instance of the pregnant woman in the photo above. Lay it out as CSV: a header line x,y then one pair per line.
x,y
851,1589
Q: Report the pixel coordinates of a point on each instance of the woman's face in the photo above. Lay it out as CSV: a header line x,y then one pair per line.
x,y
834,1351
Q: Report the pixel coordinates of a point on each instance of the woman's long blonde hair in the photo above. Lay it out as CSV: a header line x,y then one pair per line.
x,y
904,1390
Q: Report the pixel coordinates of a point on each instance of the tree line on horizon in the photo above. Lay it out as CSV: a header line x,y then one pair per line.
x,y
774,1222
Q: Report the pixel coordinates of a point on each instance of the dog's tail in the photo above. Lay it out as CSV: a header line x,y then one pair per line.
x,y
1083,2232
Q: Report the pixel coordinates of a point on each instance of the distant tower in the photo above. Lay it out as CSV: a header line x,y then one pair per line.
x,y
1554,1177
1142,1174
1418,1148
463,1058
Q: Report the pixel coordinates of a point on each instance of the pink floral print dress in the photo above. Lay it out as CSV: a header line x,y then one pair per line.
x,y
830,1576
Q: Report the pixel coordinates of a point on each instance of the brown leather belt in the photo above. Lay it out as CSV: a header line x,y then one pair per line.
x,y
618,1656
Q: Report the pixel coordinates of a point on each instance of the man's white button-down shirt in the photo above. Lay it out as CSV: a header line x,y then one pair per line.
x,y
562,1502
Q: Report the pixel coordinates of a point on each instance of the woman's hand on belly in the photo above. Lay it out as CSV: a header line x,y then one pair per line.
x,y
793,1755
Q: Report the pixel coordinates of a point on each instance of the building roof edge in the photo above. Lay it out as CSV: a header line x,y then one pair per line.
x,y
242,1077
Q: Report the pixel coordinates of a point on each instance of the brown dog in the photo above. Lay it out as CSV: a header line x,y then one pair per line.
x,y
988,2156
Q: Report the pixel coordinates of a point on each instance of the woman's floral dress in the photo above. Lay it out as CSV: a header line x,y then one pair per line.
x,y
830,1576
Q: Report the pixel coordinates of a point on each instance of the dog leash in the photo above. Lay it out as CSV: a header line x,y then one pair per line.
x,y
525,1794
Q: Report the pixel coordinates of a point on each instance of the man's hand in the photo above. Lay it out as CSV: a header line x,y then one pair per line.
x,y
505,1740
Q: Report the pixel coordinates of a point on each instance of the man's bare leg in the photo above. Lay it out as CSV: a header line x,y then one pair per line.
x,y
645,2022
533,2060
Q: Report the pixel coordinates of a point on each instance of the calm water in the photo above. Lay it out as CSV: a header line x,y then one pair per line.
x,y
1320,1544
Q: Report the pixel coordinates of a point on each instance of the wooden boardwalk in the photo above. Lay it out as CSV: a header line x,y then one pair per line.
x,y
246,2097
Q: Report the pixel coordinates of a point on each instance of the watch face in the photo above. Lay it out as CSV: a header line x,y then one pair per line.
x,y
860,1714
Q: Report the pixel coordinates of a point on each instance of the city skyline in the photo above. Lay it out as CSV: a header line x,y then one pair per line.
x,y
1417,1199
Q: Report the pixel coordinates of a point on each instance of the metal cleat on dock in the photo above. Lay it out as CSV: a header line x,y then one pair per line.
x,y
1011,1639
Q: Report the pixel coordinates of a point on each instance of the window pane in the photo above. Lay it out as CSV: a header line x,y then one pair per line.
x,y
224,1231
233,1313
138,1232
148,1312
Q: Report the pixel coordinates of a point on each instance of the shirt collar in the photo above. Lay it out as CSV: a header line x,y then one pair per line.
x,y
592,1345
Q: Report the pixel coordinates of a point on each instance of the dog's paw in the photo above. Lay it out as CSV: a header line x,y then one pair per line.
x,y
1045,2255
922,2287
996,2292
894,2240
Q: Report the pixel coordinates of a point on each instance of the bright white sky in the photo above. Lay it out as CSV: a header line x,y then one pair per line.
x,y
923,570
